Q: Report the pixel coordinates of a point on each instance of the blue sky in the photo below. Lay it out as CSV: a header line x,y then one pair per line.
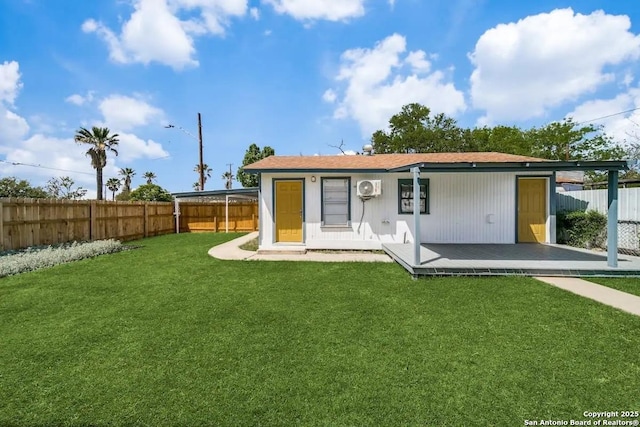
x,y
297,75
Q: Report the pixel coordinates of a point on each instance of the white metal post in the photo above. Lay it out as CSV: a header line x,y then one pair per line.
x,y
176,213
416,216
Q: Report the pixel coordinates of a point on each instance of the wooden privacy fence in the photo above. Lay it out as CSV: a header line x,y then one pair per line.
x,y
198,216
34,222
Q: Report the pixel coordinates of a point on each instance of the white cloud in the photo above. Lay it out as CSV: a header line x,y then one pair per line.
x,y
124,112
624,128
330,96
132,147
155,32
10,83
80,100
330,10
522,69
378,82
255,13
12,126
418,61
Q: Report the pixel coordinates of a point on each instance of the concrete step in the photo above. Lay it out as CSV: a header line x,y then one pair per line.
x,y
286,250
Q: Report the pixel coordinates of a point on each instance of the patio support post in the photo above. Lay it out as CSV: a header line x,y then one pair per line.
x,y
416,215
552,208
612,219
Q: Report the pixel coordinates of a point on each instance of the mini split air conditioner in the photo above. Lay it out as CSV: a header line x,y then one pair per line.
x,y
369,188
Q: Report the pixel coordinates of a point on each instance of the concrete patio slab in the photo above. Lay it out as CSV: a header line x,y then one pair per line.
x,y
605,295
525,259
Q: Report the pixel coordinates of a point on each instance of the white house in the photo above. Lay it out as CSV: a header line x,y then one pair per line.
x,y
364,201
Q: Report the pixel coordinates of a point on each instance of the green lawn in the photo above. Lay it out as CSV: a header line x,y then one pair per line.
x,y
165,335
626,284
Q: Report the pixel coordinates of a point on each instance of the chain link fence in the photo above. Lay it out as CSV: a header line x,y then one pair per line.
x,y
629,237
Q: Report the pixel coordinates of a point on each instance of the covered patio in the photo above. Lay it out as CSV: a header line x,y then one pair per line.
x,y
526,259
520,259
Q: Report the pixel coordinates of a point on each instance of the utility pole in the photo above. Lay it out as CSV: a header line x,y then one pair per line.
x,y
201,161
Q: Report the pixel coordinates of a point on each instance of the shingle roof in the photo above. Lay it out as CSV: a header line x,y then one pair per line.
x,y
381,161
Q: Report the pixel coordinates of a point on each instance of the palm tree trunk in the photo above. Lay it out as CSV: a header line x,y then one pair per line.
x,y
99,182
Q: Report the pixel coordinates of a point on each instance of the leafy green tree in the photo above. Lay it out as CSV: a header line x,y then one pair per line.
x,y
63,188
100,142
252,155
207,174
14,187
113,184
414,130
568,140
151,193
150,177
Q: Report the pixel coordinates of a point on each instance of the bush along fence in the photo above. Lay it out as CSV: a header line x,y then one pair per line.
x,y
36,222
577,209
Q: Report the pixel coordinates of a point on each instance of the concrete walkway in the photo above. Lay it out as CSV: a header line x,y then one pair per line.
x,y
231,251
605,295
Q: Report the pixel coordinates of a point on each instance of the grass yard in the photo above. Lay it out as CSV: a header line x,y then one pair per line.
x,y
630,285
165,335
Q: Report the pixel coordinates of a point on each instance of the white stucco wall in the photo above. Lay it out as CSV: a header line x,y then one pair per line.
x,y
464,208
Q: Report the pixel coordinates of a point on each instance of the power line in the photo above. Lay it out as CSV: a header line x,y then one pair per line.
x,y
607,116
43,167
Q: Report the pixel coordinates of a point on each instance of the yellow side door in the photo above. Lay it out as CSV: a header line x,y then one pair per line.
x,y
288,201
532,210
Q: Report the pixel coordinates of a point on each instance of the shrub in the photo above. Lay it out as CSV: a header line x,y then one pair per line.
x,y
37,258
582,229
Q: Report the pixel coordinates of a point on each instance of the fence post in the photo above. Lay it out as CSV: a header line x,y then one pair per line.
x,y
253,222
1,227
215,224
93,207
146,219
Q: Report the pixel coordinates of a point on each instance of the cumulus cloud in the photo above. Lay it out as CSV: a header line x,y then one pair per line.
x,y
524,68
80,100
155,32
132,147
376,82
255,13
624,127
329,10
10,83
124,112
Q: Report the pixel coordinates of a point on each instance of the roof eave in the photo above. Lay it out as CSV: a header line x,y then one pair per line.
x,y
548,166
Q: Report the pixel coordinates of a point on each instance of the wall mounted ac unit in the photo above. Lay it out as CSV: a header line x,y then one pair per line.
x,y
369,188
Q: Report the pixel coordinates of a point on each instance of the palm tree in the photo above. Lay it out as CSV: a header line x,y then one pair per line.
x,y
113,184
207,173
228,180
149,176
127,174
100,142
